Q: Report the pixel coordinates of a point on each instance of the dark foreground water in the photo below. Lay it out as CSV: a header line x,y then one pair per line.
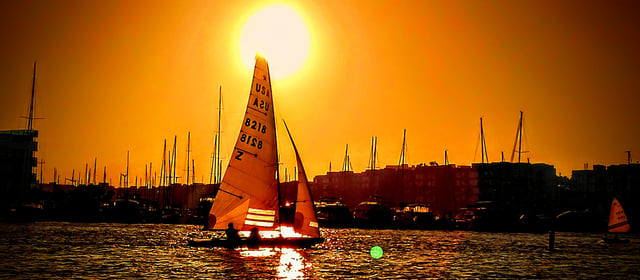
x,y
90,251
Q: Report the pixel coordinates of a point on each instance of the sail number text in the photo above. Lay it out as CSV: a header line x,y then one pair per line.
x,y
254,142
260,89
255,125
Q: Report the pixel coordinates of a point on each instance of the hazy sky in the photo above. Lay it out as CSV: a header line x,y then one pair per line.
x,y
125,75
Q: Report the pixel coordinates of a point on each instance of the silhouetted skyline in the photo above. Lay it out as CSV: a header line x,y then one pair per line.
x,y
118,76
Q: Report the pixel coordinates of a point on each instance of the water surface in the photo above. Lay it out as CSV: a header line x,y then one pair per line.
x,y
90,251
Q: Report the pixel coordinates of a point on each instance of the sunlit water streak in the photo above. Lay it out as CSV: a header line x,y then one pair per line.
x,y
90,251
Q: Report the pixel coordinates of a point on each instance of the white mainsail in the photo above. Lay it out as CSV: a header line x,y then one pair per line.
x,y
305,221
248,195
617,219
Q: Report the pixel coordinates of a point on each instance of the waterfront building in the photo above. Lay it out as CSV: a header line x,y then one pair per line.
x,y
17,165
594,189
444,188
521,188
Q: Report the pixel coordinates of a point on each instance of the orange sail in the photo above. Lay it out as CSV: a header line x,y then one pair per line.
x,y
248,194
305,221
617,219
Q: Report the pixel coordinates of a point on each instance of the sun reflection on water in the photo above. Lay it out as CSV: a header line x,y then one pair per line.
x,y
291,264
262,252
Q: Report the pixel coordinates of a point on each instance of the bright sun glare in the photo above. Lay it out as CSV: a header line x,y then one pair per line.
x,y
278,33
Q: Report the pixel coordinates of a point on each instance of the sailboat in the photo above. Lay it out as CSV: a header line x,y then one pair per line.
x,y
249,195
617,223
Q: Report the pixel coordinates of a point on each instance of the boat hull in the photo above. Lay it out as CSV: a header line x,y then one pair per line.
x,y
264,243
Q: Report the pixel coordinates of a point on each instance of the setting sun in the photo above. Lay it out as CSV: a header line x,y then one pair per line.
x,y
278,33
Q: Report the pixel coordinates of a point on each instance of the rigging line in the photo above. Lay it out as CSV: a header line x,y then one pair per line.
x,y
247,152
238,196
524,135
258,111
476,150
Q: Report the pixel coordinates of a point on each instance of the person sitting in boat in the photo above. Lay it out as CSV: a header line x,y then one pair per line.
x,y
232,236
254,238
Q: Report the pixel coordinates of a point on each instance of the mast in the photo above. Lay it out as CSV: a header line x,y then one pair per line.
x,y
95,170
216,161
218,139
33,96
163,169
446,158
402,160
170,169
213,159
345,163
628,157
188,151
483,144
402,163
127,176
518,141
175,141
374,155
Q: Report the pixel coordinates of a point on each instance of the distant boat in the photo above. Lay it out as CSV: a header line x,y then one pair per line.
x,y
333,212
617,223
249,193
372,213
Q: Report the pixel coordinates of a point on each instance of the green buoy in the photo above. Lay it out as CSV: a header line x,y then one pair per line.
x,y
376,252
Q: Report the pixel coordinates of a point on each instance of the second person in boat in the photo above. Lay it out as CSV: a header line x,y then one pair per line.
x,y
254,238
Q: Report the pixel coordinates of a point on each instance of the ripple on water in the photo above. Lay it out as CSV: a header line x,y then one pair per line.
x,y
97,251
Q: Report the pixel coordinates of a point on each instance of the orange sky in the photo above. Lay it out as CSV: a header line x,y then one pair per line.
x,y
124,75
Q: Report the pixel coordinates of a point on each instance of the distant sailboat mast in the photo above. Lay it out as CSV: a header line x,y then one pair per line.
x,y
402,163
346,163
518,141
163,169
402,160
374,155
483,144
188,154
33,98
